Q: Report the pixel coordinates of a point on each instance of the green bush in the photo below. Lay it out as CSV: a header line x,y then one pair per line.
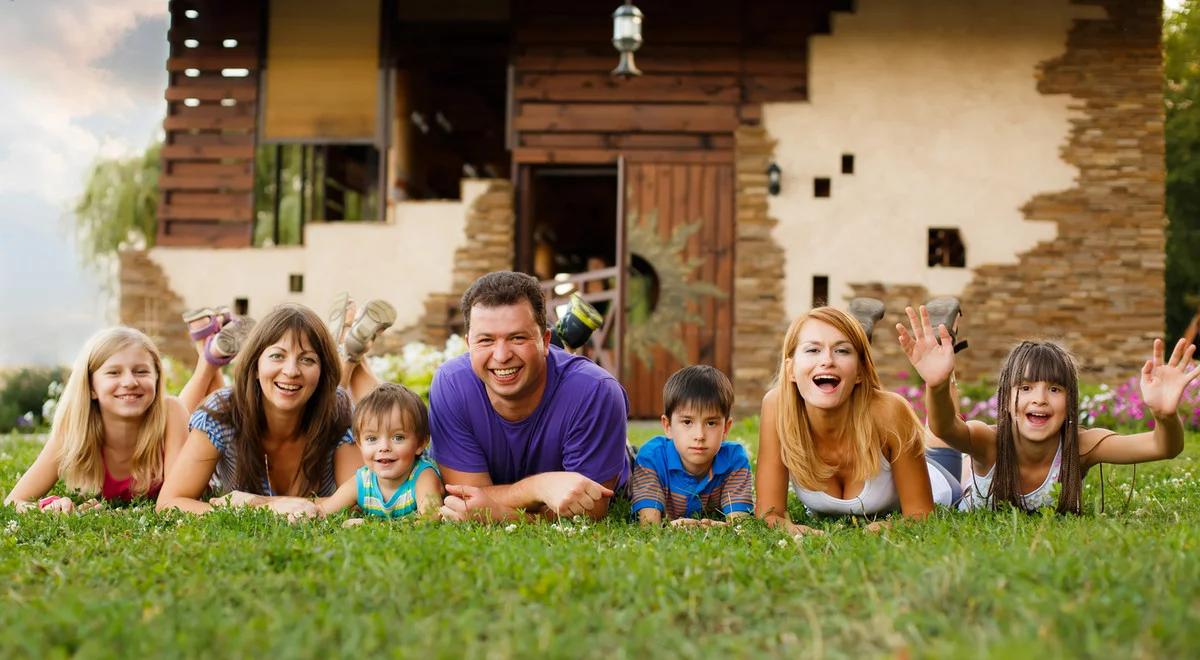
x,y
22,397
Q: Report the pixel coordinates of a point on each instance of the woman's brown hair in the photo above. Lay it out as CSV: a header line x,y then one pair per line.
x,y
325,417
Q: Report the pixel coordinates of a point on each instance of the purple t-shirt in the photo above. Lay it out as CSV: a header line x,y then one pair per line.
x,y
579,426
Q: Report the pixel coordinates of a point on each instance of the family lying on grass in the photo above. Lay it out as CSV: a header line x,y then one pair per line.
x,y
521,429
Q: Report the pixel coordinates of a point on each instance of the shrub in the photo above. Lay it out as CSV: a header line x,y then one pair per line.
x,y
415,365
23,398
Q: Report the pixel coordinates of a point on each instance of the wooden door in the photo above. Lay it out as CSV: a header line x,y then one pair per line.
x,y
678,282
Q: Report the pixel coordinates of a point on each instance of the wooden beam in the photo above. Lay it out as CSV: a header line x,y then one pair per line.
x,y
604,87
218,213
626,117
213,62
239,92
244,123
177,182
207,152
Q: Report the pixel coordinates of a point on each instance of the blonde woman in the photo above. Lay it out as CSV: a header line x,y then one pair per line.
x,y
846,445
115,431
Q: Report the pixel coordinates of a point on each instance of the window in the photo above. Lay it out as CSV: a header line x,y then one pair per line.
x,y
299,183
946,248
821,187
296,283
847,163
820,290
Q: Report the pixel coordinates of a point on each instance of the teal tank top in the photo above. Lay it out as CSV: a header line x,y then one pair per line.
x,y
402,503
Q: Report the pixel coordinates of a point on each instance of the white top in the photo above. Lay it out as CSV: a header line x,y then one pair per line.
x,y
977,491
878,494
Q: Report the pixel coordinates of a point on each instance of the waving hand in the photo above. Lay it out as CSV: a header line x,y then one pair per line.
x,y
934,361
1163,382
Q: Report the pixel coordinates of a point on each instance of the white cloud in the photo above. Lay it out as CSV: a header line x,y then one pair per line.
x,y
51,77
67,97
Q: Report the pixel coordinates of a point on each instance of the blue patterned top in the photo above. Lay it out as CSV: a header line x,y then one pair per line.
x,y
221,436
401,503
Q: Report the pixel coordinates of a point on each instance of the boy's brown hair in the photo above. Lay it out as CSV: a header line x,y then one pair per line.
x,y
700,386
383,400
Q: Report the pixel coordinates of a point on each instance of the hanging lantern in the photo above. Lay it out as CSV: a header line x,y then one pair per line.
x,y
627,37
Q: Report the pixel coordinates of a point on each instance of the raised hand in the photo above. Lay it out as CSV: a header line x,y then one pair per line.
x,y
934,361
1163,382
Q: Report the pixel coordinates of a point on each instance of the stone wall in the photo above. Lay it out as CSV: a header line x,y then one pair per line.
x,y
1098,287
148,304
759,318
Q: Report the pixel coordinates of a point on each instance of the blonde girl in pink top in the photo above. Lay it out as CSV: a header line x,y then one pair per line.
x,y
115,431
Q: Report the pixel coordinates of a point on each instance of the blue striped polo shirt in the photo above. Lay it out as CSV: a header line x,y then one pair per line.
x,y
661,482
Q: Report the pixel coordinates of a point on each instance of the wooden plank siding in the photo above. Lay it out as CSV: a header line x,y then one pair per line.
x,y
207,181
707,69
675,194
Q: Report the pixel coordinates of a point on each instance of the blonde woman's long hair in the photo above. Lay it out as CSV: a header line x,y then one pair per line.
x,y
866,433
79,428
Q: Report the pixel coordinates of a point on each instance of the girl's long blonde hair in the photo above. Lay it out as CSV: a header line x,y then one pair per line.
x,y
866,433
79,428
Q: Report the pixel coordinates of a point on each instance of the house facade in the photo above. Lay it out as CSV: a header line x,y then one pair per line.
x,y
774,155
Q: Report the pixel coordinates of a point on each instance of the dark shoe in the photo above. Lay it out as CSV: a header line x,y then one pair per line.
x,y
946,311
868,311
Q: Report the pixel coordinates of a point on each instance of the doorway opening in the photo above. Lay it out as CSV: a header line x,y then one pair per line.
x,y
572,223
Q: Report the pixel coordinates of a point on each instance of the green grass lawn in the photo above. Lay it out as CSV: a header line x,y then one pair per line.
x,y
131,583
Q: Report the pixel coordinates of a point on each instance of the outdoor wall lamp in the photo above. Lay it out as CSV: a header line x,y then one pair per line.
x,y
774,178
627,37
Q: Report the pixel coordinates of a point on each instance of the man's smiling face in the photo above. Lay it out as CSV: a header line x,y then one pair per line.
x,y
508,353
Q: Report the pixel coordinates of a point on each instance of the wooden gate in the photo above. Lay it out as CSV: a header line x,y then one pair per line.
x,y
678,245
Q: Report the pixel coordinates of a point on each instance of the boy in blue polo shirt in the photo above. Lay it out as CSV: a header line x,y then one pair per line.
x,y
691,472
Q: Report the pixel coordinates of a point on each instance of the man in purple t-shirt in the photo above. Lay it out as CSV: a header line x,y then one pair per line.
x,y
519,425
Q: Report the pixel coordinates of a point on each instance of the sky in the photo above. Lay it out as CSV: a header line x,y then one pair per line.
x,y
79,80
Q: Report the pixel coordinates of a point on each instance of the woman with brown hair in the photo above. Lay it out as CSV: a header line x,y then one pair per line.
x,y
281,434
847,446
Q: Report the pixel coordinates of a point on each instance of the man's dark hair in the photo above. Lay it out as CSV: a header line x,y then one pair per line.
x,y
702,387
502,288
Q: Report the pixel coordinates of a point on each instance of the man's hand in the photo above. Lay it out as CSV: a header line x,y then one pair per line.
x,y
464,503
570,493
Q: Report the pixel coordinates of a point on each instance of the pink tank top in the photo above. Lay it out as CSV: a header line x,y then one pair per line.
x,y
122,489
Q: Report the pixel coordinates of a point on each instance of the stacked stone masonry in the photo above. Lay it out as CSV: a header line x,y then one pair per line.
x,y
1098,287
148,304
759,317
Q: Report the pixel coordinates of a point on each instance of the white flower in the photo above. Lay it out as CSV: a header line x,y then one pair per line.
x,y
510,528
12,527
782,543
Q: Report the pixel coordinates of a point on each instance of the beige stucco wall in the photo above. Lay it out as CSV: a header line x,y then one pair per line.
x,y
401,261
937,101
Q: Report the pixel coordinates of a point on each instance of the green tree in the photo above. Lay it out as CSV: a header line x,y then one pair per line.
x,y
1181,46
119,199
